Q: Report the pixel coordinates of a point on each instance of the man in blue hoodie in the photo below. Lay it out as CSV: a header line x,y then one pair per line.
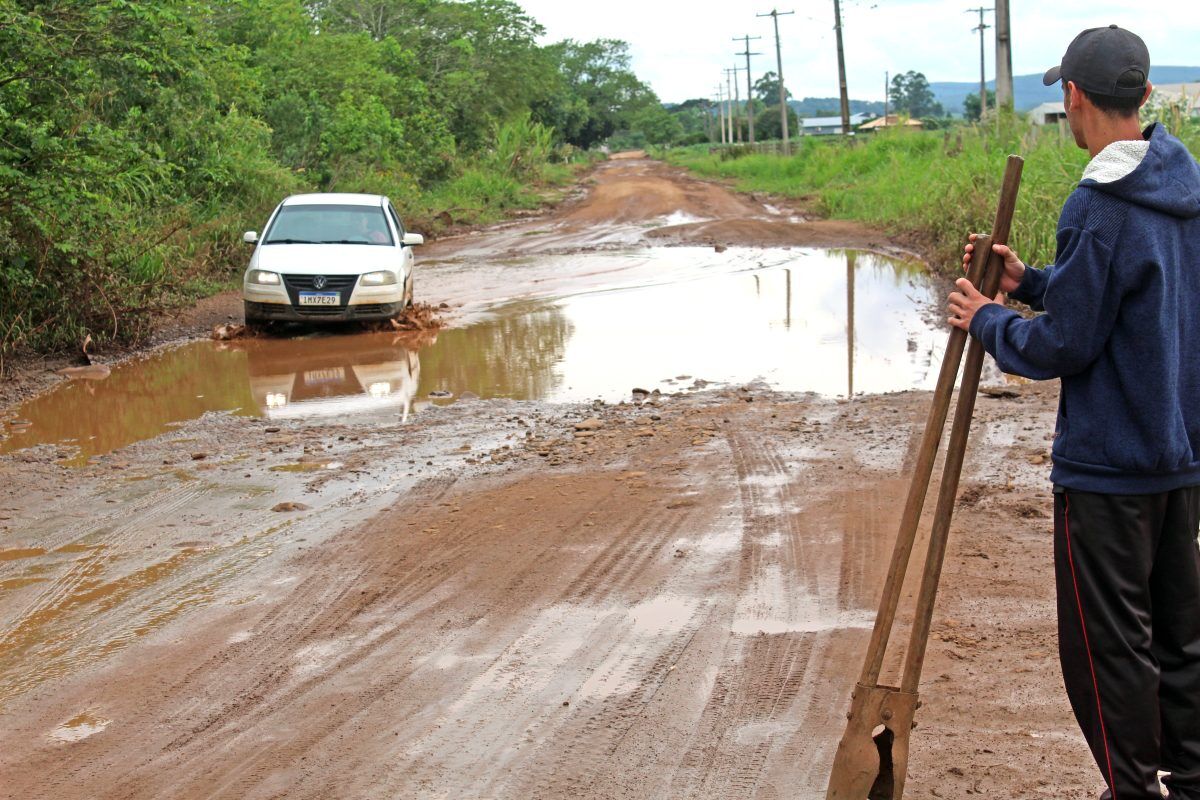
x,y
1121,329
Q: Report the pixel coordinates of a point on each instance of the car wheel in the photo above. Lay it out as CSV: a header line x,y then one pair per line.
x,y
254,324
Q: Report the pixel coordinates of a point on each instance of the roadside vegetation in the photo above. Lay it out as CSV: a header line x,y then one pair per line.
x,y
931,187
139,140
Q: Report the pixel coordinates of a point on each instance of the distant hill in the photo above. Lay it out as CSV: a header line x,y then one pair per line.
x,y
831,107
1028,90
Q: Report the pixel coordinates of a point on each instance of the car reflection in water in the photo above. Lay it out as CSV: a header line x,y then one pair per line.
x,y
321,376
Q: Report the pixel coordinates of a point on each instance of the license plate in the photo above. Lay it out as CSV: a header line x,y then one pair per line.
x,y
315,377
320,298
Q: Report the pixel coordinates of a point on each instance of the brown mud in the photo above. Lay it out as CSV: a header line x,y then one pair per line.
x,y
666,597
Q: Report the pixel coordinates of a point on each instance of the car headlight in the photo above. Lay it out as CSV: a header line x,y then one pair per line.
x,y
262,276
382,278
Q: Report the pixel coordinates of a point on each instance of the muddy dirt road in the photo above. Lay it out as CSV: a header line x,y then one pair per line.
x,y
320,581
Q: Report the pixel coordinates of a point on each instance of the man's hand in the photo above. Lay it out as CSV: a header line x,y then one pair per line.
x,y
965,302
1014,269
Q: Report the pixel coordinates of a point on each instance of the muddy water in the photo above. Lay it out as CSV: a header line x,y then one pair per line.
x,y
589,326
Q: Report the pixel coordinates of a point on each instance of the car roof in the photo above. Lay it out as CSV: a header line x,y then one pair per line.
x,y
334,199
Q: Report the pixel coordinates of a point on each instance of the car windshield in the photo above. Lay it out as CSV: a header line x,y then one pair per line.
x,y
329,224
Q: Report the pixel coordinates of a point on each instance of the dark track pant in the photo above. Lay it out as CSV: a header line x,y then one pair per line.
x,y
1127,569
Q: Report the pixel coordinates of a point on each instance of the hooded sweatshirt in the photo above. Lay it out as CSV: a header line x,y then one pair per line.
x,y
1121,326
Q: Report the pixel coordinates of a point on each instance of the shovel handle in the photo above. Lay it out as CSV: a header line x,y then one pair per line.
x,y
935,424
959,434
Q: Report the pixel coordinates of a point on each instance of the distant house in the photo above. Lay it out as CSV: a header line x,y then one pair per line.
x,y
1186,95
828,126
1048,113
891,121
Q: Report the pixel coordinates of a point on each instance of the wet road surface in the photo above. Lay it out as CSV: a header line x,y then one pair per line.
x,y
830,322
263,579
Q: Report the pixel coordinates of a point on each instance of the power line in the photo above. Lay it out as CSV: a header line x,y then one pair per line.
x,y
783,106
982,74
749,88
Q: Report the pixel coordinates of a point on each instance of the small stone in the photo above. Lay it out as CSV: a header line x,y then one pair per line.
x,y
289,507
199,456
591,424
273,429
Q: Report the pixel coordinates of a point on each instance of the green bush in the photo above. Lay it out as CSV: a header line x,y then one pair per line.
x,y
935,185
138,140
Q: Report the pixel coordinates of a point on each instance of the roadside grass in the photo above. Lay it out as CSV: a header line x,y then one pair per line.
x,y
934,186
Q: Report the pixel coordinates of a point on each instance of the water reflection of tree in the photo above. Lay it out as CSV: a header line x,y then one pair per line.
x,y
512,355
900,270
138,400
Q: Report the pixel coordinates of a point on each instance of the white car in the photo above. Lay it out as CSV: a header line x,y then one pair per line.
x,y
330,257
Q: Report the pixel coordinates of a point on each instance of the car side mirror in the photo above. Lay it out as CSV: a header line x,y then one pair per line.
x,y
250,237
413,239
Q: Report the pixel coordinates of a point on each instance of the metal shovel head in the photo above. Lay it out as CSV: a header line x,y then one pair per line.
x,y
872,758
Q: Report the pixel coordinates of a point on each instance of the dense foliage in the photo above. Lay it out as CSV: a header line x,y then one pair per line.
x,y
931,186
910,94
138,139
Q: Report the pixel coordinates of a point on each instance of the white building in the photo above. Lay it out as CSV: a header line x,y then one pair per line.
x,y
1048,113
1186,95
826,126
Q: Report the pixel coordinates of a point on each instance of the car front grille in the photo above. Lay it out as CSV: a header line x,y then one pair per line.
x,y
342,284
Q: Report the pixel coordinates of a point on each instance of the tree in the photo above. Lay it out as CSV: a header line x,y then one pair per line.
x,y
597,92
910,94
971,108
768,124
766,90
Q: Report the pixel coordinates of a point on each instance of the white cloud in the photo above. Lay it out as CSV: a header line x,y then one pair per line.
x,y
680,48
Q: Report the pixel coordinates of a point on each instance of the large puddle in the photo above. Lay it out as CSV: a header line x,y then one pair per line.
x,y
835,323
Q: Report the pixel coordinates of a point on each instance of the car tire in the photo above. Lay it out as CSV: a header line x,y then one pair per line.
x,y
254,324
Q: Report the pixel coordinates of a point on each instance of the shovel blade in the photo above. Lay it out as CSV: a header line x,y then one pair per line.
x,y
872,758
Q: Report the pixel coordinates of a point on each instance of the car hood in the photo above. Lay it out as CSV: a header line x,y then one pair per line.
x,y
325,259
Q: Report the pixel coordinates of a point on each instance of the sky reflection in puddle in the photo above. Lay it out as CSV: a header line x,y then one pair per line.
x,y
831,322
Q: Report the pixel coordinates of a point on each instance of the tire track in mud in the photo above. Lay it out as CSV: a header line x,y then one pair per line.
x,y
48,627
769,729
315,611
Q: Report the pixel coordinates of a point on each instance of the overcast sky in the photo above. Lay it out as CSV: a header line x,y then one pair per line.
x,y
680,47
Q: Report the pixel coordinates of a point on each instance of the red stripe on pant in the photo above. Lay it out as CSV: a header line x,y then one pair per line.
x,y
1112,782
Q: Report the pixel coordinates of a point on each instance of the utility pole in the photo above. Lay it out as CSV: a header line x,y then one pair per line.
x,y
837,26
982,74
887,94
1004,76
721,109
749,87
735,130
783,106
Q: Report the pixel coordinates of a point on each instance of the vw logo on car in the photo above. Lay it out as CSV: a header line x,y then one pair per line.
x,y
330,258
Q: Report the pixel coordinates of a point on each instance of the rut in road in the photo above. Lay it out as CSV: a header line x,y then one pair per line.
x,y
683,630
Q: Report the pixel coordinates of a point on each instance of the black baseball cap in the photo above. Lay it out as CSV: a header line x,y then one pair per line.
x,y
1108,61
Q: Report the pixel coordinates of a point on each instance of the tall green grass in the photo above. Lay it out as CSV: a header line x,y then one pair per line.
x,y
932,186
